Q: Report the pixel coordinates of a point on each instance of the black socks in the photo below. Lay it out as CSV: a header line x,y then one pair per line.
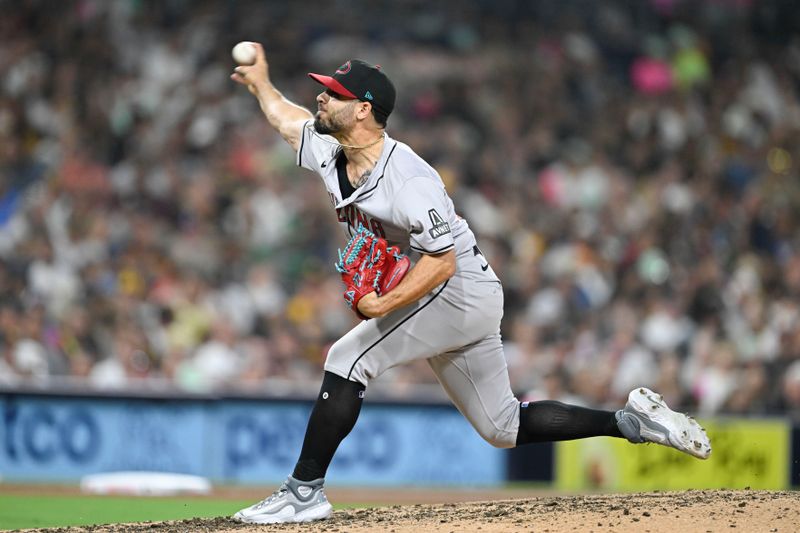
x,y
334,415
339,403
551,421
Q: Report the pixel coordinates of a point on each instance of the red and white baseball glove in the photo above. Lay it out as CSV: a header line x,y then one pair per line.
x,y
369,264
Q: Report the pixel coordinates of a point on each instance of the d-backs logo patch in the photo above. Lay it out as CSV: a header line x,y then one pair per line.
x,y
344,69
438,226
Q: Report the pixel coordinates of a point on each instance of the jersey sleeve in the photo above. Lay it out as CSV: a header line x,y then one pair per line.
x,y
313,151
423,208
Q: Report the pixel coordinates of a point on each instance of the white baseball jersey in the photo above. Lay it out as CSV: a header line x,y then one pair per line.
x,y
403,200
456,327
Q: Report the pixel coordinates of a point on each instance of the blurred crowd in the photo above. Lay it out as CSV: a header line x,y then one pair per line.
x,y
629,169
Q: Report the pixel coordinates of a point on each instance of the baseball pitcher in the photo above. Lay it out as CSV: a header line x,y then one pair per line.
x,y
414,273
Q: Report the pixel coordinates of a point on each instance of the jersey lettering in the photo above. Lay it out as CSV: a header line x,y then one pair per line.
x,y
361,219
353,216
377,228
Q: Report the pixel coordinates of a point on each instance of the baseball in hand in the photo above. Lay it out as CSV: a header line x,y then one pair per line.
x,y
244,53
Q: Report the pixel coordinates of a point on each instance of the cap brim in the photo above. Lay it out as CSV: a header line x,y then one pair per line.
x,y
331,84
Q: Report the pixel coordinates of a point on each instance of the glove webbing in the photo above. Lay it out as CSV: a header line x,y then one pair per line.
x,y
353,248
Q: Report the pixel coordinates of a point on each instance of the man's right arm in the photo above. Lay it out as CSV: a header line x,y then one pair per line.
x,y
285,116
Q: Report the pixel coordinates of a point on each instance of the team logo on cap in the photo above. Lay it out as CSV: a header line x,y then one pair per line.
x,y
368,96
344,69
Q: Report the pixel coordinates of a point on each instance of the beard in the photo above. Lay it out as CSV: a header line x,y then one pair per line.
x,y
335,123
325,128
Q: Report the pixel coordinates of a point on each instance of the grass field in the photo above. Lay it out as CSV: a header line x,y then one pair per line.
x,y
40,506
657,512
29,511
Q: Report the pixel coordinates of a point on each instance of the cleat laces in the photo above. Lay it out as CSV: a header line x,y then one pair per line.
x,y
274,496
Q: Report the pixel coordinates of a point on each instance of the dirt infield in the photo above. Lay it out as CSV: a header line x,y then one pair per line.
x,y
668,512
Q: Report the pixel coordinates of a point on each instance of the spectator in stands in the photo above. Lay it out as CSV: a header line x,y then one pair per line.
x,y
631,172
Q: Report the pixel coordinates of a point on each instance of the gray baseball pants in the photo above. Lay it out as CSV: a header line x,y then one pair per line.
x,y
456,328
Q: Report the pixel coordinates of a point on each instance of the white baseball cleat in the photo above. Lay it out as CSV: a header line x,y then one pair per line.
x,y
294,501
646,418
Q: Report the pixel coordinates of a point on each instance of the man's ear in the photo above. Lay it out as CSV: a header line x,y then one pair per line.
x,y
364,110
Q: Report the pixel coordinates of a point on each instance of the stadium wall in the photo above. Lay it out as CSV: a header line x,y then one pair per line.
x,y
50,438
248,441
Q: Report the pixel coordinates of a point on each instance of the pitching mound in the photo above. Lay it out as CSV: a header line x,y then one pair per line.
x,y
670,512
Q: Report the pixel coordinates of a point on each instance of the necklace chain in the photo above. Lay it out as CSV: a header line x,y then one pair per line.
x,y
351,146
365,176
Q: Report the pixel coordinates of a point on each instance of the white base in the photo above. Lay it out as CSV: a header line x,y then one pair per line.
x,y
145,483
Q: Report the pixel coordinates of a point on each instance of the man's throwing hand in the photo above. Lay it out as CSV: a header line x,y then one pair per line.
x,y
255,75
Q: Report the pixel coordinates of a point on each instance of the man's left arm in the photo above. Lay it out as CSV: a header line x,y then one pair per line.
x,y
429,272
422,207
